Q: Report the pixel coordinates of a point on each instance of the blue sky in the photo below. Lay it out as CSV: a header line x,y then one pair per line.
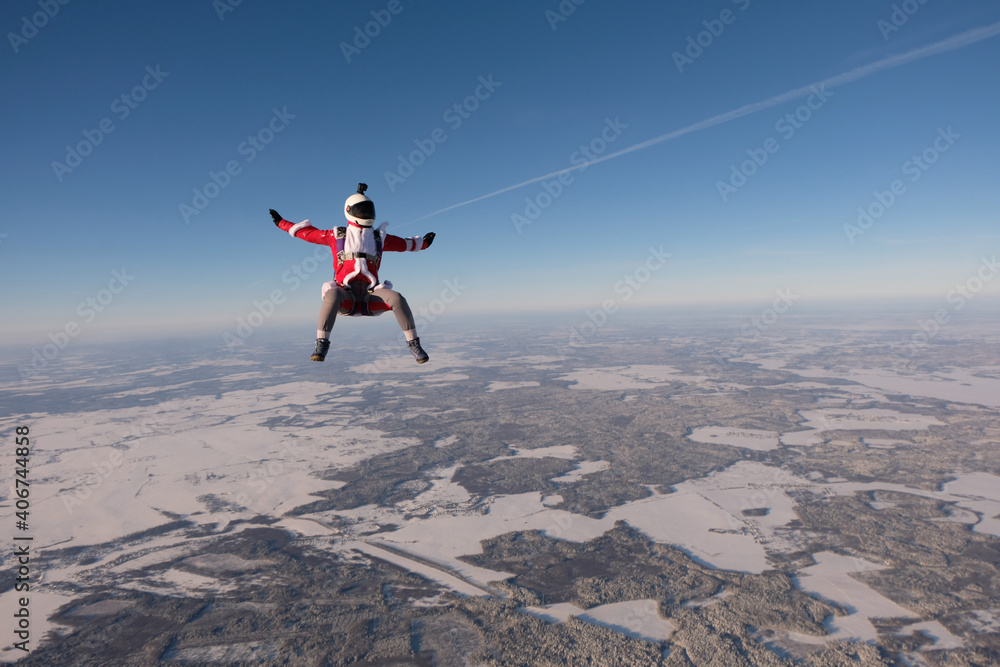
x,y
200,82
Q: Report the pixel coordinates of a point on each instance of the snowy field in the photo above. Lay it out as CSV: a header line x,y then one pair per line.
x,y
627,377
498,386
830,578
637,618
103,474
959,385
761,441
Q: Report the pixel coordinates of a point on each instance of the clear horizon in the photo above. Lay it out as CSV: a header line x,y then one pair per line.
x,y
905,313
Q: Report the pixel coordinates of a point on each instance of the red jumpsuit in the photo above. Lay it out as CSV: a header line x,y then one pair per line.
x,y
357,257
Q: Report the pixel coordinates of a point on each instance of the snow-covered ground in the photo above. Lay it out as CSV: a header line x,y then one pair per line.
x,y
747,438
627,377
100,475
978,492
703,517
497,386
842,419
636,618
184,450
959,385
830,578
583,468
96,481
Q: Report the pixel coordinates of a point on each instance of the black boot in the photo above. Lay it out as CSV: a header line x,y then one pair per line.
x,y
418,352
322,347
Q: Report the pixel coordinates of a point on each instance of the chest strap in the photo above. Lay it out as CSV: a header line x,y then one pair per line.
x,y
344,256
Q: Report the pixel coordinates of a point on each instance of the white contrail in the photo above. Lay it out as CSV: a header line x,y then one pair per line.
x,y
950,44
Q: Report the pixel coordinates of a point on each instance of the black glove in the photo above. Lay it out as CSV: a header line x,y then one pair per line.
x,y
428,239
275,216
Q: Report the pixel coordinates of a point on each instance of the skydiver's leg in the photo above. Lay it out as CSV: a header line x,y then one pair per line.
x,y
404,316
399,307
332,298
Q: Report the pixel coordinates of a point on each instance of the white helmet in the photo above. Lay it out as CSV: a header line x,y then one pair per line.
x,y
359,209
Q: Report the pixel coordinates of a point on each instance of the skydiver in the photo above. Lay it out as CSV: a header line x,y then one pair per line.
x,y
357,256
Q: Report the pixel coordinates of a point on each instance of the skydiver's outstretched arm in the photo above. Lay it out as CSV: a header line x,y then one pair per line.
x,y
400,244
303,230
